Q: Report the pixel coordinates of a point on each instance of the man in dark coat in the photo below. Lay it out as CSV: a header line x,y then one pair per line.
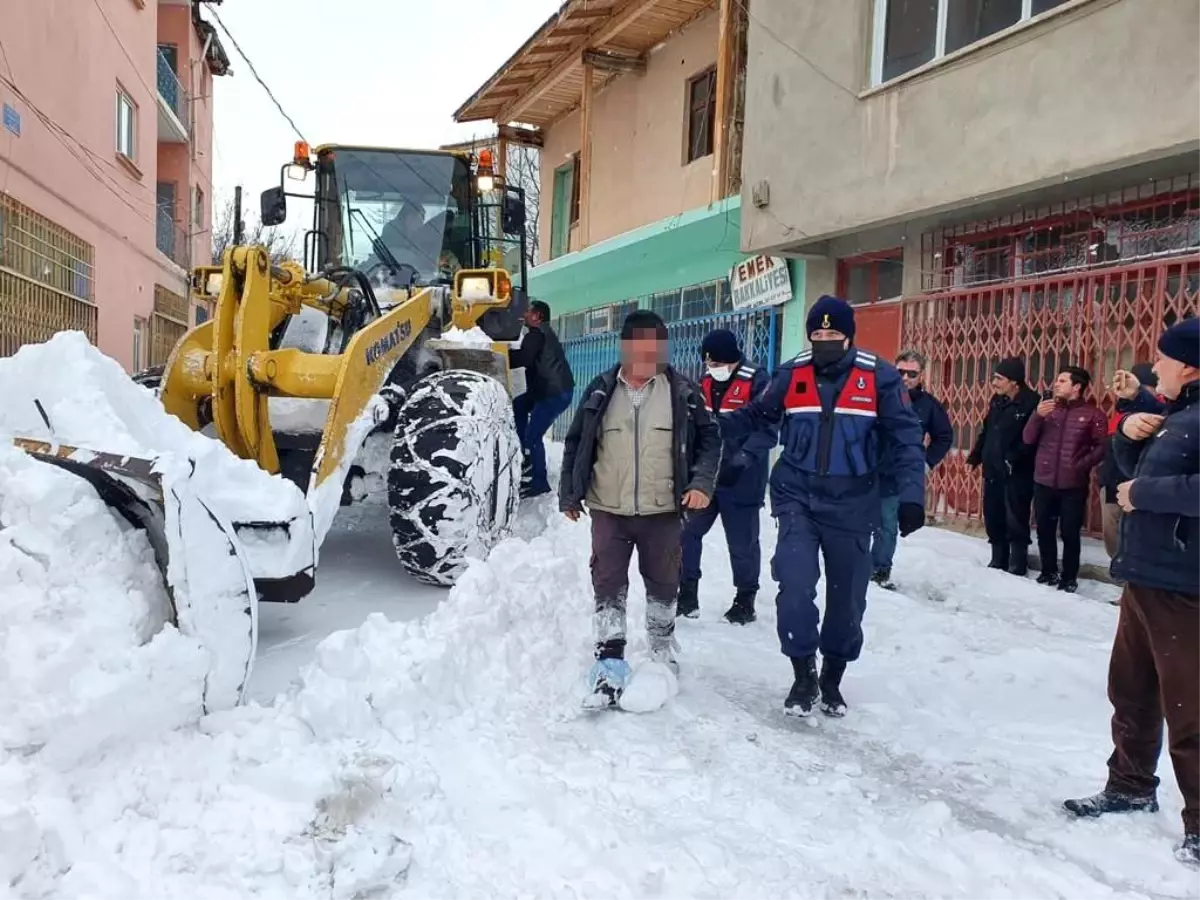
x,y
642,452
729,383
1154,672
1135,393
549,387
935,425
1007,467
838,407
1070,435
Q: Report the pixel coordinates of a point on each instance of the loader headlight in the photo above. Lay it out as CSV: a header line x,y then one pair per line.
x,y
475,288
212,284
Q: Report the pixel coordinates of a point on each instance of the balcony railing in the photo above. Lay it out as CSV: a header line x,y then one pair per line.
x,y
171,239
171,90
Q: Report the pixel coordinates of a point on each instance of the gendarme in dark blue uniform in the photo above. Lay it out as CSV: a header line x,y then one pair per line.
x,y
839,406
730,383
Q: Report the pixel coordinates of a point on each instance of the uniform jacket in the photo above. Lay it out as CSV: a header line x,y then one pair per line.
x,y
749,453
1159,542
695,439
547,372
1109,475
834,427
999,447
1070,443
934,423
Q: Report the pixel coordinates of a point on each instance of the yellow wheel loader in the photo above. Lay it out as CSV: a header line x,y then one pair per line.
x,y
350,375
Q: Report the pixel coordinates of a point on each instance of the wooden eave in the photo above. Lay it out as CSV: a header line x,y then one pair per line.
x,y
543,80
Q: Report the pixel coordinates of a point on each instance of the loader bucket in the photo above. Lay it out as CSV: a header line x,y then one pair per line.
x,y
207,579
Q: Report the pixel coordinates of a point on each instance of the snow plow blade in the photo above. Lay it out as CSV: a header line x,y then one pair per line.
x,y
215,604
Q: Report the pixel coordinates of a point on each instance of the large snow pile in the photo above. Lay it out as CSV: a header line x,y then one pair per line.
x,y
91,403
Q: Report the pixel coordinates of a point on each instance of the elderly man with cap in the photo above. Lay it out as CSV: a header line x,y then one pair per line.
x,y
1154,672
729,382
1007,467
839,407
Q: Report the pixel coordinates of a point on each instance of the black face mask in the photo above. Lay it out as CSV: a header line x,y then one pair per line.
x,y
826,353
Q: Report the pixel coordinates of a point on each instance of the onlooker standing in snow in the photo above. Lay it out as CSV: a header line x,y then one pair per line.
x,y
1133,390
729,383
1155,667
1070,435
549,387
936,426
839,406
1007,467
642,451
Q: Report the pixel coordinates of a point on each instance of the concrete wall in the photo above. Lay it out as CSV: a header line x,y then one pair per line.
x,y
1100,85
639,127
77,179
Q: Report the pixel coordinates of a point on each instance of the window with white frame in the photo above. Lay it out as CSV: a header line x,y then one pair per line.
x,y
126,126
910,33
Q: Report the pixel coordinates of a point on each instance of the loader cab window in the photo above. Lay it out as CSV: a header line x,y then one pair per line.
x,y
397,210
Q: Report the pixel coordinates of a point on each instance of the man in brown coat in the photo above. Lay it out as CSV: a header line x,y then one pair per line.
x,y
1070,435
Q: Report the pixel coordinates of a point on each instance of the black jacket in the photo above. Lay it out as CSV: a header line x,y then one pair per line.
x,y
696,439
1110,475
936,424
1159,543
999,447
547,372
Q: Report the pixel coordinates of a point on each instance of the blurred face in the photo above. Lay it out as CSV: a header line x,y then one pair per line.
x,y
1173,375
533,317
910,372
1065,389
644,355
1002,385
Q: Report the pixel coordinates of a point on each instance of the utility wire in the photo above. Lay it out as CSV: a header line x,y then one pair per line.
x,y
257,77
802,57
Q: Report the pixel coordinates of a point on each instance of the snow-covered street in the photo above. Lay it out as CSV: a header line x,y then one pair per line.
x,y
455,746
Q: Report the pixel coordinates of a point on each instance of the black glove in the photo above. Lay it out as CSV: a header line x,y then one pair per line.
x,y
732,470
910,517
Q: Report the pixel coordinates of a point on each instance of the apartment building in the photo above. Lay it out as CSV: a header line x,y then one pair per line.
x,y
106,144
986,178
636,108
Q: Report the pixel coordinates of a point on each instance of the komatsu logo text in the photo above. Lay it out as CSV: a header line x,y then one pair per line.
x,y
389,341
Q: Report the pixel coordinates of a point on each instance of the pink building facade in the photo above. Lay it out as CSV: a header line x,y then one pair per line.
x,y
106,146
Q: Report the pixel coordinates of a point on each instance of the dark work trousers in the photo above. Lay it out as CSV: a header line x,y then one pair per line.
x,y
1155,673
1006,506
1060,509
796,567
740,524
657,540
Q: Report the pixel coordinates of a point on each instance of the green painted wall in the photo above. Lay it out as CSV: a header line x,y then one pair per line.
x,y
697,246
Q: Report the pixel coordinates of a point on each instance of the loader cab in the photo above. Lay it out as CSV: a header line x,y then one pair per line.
x,y
407,215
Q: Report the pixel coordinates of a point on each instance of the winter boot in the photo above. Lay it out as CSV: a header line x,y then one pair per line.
x,y
1018,559
830,682
883,578
1108,801
667,654
526,467
999,557
1048,578
688,602
1188,850
742,611
1068,585
529,490
606,682
803,695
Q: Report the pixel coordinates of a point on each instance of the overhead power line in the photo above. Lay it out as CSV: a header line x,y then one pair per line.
x,y
257,77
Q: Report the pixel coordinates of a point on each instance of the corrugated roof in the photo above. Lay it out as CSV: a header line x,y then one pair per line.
x,y
543,80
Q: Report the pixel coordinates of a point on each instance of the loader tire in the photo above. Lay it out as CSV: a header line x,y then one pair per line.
x,y
454,479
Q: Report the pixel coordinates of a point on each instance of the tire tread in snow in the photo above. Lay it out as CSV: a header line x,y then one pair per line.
x,y
455,472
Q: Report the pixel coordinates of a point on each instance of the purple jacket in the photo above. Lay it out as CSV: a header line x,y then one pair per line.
x,y
1070,443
